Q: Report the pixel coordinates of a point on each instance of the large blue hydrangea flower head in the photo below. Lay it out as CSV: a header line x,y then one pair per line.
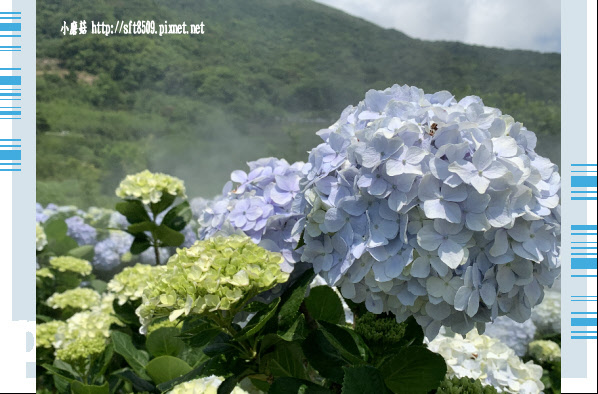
x,y
426,206
258,203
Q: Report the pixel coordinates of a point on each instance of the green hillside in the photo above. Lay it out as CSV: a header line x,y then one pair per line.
x,y
265,76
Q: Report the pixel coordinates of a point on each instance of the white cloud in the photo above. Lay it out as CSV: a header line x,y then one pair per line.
x,y
512,24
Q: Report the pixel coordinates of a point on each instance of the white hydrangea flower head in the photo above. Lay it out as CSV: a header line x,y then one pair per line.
x,y
426,206
40,237
79,298
129,284
547,315
207,385
488,360
258,203
149,187
515,335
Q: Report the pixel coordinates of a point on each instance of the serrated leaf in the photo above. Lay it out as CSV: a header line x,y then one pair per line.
x,y
163,342
165,201
288,385
137,359
324,304
286,360
140,244
258,321
133,210
178,216
164,368
297,332
81,388
292,299
168,237
363,379
414,370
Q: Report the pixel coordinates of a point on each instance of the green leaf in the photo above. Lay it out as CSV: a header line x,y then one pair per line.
x,y
413,370
363,380
80,388
168,237
324,304
100,365
343,341
139,384
126,312
204,337
258,321
164,342
140,244
55,228
178,217
295,386
133,210
165,201
414,334
297,332
292,299
141,227
220,344
301,241
85,252
59,372
324,357
165,368
137,359
286,360
98,285
229,384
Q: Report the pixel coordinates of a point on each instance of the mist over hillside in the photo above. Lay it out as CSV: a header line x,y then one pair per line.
x,y
265,76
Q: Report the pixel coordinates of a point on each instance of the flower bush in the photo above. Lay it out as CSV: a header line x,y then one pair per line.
x,y
418,216
430,207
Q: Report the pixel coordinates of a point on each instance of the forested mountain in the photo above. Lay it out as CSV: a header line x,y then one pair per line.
x,y
262,79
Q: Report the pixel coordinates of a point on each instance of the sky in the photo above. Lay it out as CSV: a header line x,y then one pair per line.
x,y
511,24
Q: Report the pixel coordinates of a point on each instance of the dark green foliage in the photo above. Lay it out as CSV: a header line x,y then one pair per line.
x,y
464,386
265,76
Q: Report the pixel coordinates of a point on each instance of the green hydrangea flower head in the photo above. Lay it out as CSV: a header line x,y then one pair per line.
x,y
207,385
544,351
464,386
44,273
149,187
130,282
71,264
81,349
40,237
78,298
211,275
45,333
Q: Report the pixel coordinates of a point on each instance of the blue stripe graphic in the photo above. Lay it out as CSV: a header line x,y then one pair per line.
x,y
10,154
10,27
10,80
584,181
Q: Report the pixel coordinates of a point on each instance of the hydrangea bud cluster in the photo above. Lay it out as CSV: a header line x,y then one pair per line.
x,y
149,187
545,351
547,315
207,385
80,349
259,203
430,207
215,274
44,273
79,298
515,335
71,264
40,237
489,361
45,333
128,285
